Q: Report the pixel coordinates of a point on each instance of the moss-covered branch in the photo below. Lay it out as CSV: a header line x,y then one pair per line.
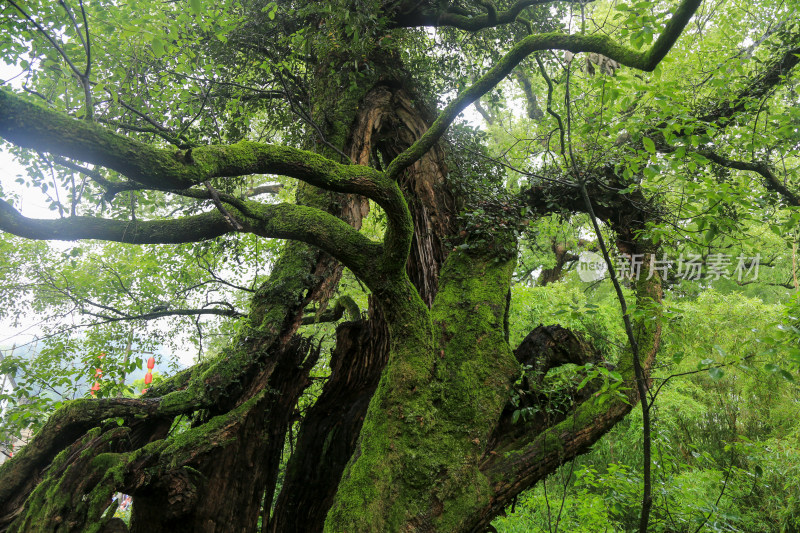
x,y
468,22
527,457
78,485
320,229
189,229
283,221
20,473
31,125
601,44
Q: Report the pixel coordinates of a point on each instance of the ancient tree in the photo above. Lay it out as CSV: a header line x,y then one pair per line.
x,y
414,429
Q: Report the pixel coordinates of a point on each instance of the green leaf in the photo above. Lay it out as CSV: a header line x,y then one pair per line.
x,y
158,46
715,373
196,6
710,234
649,145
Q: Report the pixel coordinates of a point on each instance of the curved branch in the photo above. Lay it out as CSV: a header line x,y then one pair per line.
x,y
771,181
317,228
282,221
466,22
68,424
600,44
189,229
167,312
31,125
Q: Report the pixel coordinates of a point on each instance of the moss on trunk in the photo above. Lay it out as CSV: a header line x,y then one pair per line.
x,y
446,383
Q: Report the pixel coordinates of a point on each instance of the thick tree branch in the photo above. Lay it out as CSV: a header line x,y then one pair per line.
x,y
320,229
456,18
600,44
771,181
34,126
283,221
66,425
190,229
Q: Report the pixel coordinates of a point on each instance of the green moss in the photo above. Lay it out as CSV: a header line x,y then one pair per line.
x,y
447,380
57,497
350,306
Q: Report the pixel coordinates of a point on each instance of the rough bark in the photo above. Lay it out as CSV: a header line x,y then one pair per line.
x,y
227,485
331,427
556,272
390,124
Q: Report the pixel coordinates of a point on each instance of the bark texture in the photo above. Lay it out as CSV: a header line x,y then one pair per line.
x,y
331,427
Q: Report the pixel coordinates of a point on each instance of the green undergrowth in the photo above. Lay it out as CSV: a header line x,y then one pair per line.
x,y
725,436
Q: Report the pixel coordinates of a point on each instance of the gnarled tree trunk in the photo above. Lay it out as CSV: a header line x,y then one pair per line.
x,y
412,431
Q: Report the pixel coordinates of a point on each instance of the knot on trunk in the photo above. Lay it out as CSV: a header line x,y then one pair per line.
x,y
547,347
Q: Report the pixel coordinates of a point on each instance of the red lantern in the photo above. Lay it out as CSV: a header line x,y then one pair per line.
x,y
148,378
98,374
